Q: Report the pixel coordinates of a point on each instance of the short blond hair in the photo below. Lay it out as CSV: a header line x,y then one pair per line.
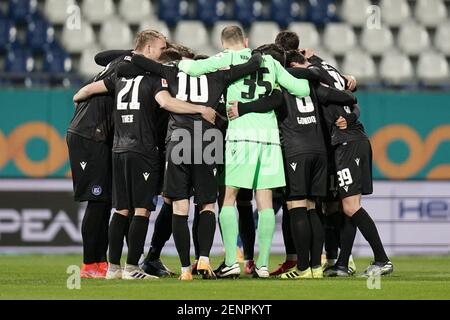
x,y
147,36
233,35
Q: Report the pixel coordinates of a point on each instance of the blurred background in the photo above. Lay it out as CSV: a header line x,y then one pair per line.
x,y
399,50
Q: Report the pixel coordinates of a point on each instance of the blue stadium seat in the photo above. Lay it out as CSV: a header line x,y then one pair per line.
x,y
284,12
321,12
8,33
210,11
169,11
20,10
247,11
19,60
56,60
39,33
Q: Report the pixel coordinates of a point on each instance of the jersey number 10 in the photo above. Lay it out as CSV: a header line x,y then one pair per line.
x,y
195,95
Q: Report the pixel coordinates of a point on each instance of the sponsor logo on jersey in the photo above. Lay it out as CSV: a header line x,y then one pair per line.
x,y
164,83
294,166
146,175
83,165
347,109
97,190
215,172
357,160
346,188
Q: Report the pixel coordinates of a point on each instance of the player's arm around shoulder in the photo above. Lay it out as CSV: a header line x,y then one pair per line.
x,y
297,87
174,105
89,90
201,67
240,71
148,65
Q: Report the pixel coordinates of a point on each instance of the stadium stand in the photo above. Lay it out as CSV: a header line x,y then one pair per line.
x,y
263,32
395,12
48,38
310,37
361,65
339,38
396,69
134,11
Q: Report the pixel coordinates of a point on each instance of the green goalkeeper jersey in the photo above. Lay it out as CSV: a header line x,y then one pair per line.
x,y
253,127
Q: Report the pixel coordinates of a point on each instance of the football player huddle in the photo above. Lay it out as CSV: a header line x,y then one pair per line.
x,y
276,124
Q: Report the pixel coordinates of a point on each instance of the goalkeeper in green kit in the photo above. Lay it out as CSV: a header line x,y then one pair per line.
x,y
253,158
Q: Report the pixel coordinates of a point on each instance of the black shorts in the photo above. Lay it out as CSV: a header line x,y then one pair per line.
x,y
306,176
162,162
135,180
91,166
332,184
354,168
182,180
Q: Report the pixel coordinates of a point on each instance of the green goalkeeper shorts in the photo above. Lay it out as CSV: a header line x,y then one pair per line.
x,y
254,165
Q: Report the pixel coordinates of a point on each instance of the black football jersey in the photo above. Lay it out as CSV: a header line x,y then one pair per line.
x,y
93,118
206,90
333,78
136,113
300,125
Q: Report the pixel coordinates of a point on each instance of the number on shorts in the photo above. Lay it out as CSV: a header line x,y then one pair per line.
x,y
345,178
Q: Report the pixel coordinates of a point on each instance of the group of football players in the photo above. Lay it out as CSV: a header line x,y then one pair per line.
x,y
276,124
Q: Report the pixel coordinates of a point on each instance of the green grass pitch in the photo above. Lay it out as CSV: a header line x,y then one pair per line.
x,y
45,277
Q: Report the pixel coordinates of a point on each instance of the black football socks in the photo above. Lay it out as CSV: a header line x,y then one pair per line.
x,y
182,239
247,230
289,244
332,227
161,232
136,239
117,231
301,235
369,231
317,239
205,232
347,238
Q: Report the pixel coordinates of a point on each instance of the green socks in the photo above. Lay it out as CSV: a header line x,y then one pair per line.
x,y
229,225
266,229
230,231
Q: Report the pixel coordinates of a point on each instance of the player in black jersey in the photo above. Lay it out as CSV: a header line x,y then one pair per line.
x,y
136,162
306,164
163,223
89,140
353,159
187,164
336,225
